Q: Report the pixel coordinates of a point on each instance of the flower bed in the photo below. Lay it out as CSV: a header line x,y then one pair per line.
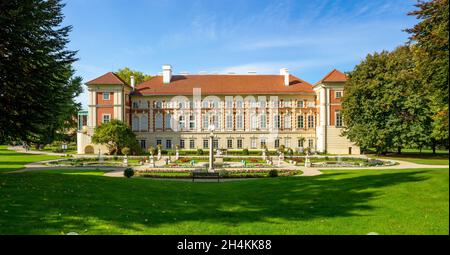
x,y
222,173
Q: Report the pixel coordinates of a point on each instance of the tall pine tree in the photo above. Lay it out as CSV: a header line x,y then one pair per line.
x,y
37,89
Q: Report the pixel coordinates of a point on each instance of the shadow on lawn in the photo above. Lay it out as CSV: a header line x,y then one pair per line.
x,y
127,203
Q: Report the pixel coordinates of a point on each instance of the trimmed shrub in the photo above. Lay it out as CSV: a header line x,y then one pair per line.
x,y
273,173
125,151
129,172
199,152
245,152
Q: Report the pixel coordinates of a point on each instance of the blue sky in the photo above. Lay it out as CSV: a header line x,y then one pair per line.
x,y
308,37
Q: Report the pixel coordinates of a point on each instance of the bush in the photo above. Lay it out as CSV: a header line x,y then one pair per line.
x,y
245,152
129,172
115,157
273,173
126,151
199,152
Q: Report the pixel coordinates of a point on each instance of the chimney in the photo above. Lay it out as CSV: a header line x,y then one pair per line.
x,y
132,81
285,72
167,73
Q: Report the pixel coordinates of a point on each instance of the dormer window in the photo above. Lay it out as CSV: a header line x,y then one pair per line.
x,y
106,96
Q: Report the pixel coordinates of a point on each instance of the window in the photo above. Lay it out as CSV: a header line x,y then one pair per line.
x,y
239,121
181,144
300,142
106,118
287,142
135,123
143,123
300,121
277,143
135,105
287,121
181,123
310,121
168,144
215,143
287,104
143,144
262,104
338,94
158,104
205,104
253,122
276,121
191,122
229,121
105,96
239,143
216,121
159,121
338,119
300,104
205,121
239,104
229,104
205,143
229,143
253,143
191,144
263,121
263,142
167,121
158,142
310,143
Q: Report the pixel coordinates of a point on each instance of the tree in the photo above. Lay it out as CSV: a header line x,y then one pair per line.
x,y
431,50
37,88
385,102
115,135
126,72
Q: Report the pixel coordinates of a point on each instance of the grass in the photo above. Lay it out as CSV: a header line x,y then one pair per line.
x,y
338,202
11,160
414,201
425,158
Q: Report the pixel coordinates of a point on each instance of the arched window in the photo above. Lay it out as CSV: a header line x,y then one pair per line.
x,y
167,121
287,121
135,123
253,122
276,121
143,123
263,121
191,122
158,121
181,122
239,121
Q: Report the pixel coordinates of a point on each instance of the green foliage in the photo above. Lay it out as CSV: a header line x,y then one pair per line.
x,y
115,135
126,151
431,52
126,72
245,152
38,87
387,110
273,173
199,152
129,172
152,150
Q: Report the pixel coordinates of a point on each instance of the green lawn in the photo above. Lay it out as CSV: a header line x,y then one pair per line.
x,y
11,160
412,201
338,202
425,158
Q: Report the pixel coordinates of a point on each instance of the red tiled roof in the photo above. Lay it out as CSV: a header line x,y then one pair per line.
x,y
223,84
334,76
108,78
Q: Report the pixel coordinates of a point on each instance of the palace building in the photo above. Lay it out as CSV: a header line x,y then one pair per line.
x,y
248,111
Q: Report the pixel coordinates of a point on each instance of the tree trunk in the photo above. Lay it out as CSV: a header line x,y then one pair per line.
x,y
399,150
433,146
